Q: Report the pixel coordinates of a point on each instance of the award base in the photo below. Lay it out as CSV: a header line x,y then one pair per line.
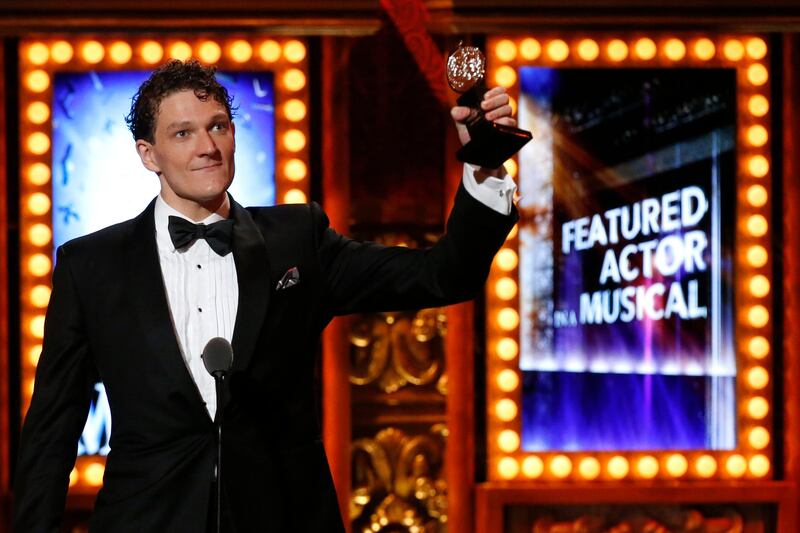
x,y
492,144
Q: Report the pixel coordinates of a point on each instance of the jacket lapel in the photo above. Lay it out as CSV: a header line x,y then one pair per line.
x,y
252,272
152,308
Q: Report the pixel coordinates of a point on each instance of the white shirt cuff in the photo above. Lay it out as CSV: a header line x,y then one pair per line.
x,y
494,191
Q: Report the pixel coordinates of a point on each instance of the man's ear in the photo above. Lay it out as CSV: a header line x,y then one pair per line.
x,y
145,150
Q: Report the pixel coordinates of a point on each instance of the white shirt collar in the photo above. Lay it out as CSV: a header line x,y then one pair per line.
x,y
162,213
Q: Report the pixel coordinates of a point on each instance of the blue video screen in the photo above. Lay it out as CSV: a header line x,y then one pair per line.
x,y
99,180
626,259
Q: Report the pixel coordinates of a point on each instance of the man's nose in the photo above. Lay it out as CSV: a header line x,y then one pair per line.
x,y
206,144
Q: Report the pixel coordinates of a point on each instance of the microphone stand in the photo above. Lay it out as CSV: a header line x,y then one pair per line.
x,y
219,378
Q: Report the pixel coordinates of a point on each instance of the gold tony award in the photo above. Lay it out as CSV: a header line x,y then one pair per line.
x,y
490,144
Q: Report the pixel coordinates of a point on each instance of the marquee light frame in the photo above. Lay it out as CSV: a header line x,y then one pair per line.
x,y
40,59
753,331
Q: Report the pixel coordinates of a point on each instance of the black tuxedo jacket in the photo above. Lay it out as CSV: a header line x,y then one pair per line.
x,y
108,319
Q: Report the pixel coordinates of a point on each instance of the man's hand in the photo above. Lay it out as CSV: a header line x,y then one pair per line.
x,y
494,105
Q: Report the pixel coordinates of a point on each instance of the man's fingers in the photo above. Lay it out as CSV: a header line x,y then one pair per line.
x,y
494,91
459,113
498,113
494,102
506,121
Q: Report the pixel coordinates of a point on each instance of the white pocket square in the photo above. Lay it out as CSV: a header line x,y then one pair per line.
x,y
290,279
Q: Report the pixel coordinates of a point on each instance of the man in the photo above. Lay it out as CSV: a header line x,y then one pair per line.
x,y
134,304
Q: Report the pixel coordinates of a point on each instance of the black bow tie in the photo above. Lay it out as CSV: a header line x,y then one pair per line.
x,y
217,235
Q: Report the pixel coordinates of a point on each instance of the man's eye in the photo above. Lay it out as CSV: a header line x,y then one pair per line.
x,y
220,126
181,133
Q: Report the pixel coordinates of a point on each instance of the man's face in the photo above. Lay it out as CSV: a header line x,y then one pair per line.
x,y
193,150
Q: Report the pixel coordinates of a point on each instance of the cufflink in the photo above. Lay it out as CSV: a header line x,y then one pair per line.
x,y
290,279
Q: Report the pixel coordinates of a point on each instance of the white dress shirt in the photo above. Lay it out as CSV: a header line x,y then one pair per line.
x,y
203,292
203,295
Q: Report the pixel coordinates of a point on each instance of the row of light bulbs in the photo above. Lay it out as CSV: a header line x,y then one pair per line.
x,y
754,165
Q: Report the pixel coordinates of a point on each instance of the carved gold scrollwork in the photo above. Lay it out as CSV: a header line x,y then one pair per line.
x,y
651,520
397,482
393,350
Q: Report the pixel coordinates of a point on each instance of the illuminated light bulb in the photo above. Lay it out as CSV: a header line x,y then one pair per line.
x,y
511,167
756,48
507,349
294,110
39,234
93,474
294,79
505,76
757,256
645,49
508,441
758,407
37,81
617,50
757,74
706,466
180,50
758,316
674,49
588,49
532,467
92,52
508,468
269,51
704,49
38,112
120,52
38,143
757,135
736,465
209,52
506,259
758,347
676,465
557,50
38,174
73,477
38,53
295,170
240,51
618,467
506,410
39,265
758,105
505,50
40,296
757,195
61,52
530,49
560,466
36,326
733,50
758,166
513,232
294,196
757,225
757,377
151,52
589,468
507,380
34,353
38,203
759,286
508,319
759,465
758,437
505,288
294,140
294,51
647,467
